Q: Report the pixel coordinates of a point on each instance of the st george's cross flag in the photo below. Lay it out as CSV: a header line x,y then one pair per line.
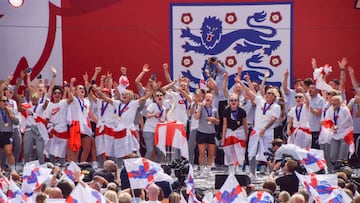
x,y
312,159
33,177
190,186
15,194
322,187
230,192
142,172
83,193
171,134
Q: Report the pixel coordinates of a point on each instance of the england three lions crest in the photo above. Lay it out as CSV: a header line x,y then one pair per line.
x,y
257,36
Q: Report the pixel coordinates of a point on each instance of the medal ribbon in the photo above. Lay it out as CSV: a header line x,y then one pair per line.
x,y
81,104
209,113
325,109
266,109
3,115
103,108
185,101
160,109
336,115
234,114
298,112
121,111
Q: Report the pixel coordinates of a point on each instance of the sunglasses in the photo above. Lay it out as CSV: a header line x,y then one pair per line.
x,y
57,93
298,97
329,94
4,100
159,95
233,100
81,88
270,93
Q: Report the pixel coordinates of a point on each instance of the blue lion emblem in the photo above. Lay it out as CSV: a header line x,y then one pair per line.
x,y
212,41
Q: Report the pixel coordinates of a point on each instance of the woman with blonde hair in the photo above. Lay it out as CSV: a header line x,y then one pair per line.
x,y
234,135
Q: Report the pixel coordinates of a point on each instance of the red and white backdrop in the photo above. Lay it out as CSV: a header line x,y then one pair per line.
x,y
77,35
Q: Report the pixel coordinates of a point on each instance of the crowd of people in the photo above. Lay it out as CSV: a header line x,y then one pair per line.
x,y
99,124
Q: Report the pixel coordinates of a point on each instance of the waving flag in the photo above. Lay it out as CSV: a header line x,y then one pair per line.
x,y
190,186
3,197
231,191
4,183
15,194
312,159
70,171
33,178
83,193
171,134
142,172
320,187
338,196
260,197
208,198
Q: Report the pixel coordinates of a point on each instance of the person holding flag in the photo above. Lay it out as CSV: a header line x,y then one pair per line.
x,y
235,131
266,114
342,140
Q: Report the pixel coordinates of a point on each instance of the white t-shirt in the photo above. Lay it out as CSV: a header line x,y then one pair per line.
x,y
105,113
304,113
56,113
181,105
79,111
150,123
125,119
261,120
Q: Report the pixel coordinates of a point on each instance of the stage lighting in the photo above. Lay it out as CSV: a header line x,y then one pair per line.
x,y
16,3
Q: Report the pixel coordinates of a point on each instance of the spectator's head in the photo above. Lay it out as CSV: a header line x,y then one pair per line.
x,y
270,185
57,93
305,193
349,193
352,187
276,144
290,165
334,83
66,187
341,183
297,198
9,91
124,197
298,83
348,171
112,186
109,165
308,82
111,195
41,198
153,192
284,197
357,199
55,193
174,197
139,193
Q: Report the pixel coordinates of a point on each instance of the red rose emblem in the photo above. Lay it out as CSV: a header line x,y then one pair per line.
x,y
275,61
186,18
230,61
230,18
275,17
187,61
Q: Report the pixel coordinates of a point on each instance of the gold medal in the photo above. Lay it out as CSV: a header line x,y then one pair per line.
x,y
209,122
297,123
238,122
263,116
335,127
6,124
